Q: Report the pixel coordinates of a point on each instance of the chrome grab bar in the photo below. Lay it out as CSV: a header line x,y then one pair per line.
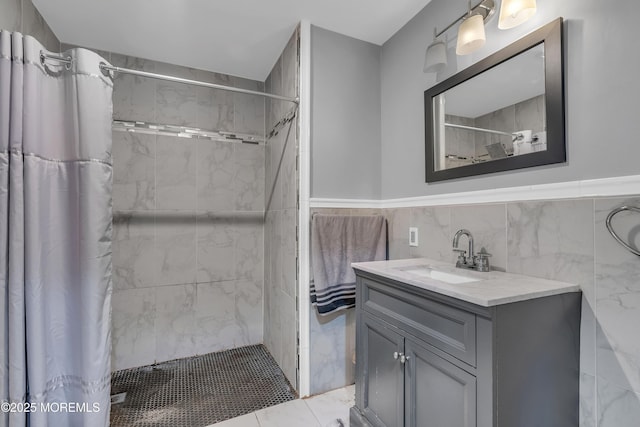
x,y
614,234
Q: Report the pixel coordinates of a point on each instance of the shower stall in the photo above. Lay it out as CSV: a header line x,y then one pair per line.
x,y
204,238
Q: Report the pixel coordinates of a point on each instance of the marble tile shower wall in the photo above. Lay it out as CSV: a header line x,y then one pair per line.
x,y
22,16
564,240
188,219
280,269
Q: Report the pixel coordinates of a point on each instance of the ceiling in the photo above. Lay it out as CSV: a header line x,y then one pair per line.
x,y
237,37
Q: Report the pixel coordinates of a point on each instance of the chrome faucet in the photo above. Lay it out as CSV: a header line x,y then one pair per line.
x,y
471,260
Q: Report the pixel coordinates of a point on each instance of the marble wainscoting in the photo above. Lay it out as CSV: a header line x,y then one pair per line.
x,y
562,240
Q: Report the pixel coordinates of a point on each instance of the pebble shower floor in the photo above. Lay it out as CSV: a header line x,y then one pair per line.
x,y
199,391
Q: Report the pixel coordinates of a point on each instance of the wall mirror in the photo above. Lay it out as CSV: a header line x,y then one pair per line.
x,y
505,112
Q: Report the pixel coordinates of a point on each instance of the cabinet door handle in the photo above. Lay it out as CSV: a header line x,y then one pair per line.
x,y
403,358
396,355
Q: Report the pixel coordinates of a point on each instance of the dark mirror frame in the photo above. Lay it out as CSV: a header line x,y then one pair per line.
x,y
552,37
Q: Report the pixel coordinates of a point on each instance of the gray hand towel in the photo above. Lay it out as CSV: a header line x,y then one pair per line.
x,y
336,242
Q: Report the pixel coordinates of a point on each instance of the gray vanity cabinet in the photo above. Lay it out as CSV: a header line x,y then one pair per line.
x,y
437,392
428,360
384,403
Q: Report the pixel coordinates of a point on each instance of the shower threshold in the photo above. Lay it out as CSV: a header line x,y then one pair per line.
x,y
199,391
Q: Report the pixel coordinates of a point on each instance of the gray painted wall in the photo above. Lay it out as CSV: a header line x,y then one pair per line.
x,y
601,95
345,124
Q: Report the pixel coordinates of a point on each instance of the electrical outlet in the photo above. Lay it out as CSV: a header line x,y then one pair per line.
x,y
413,236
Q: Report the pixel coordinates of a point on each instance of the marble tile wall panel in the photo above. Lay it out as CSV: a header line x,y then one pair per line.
x,y
280,240
176,104
215,176
11,17
176,173
618,296
214,109
459,141
134,253
434,233
249,252
134,98
248,114
34,25
333,346
276,108
288,250
503,120
175,247
249,309
288,169
217,327
249,182
175,322
273,189
587,400
487,224
531,114
290,59
134,179
399,221
289,352
216,247
133,328
617,407
555,240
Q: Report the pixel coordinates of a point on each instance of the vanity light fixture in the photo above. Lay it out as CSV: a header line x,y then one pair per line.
x,y
471,36
435,59
515,12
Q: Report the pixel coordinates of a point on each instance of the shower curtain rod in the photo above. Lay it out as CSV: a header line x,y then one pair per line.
x,y
107,68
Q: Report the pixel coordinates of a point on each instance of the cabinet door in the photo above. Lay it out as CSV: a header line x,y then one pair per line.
x,y
381,373
437,392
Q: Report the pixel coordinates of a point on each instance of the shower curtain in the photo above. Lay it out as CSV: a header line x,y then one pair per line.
x,y
55,237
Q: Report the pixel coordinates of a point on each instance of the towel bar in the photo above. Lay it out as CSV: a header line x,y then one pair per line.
x,y
614,234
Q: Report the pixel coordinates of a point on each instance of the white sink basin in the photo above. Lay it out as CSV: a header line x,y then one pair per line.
x,y
442,276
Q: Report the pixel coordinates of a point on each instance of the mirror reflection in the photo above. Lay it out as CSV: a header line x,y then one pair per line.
x,y
497,114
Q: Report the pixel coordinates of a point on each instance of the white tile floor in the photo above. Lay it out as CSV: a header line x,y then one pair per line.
x,y
318,411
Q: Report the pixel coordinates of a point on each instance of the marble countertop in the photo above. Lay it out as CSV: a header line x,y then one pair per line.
x,y
493,287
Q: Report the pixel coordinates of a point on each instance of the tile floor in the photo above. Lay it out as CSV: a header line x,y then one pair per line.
x,y
318,411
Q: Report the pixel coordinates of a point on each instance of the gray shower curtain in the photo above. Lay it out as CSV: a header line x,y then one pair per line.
x,y
55,238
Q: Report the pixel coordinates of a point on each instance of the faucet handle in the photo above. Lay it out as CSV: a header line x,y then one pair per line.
x,y
483,260
462,258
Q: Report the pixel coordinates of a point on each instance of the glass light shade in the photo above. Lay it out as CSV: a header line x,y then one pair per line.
x,y
471,35
435,59
515,12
